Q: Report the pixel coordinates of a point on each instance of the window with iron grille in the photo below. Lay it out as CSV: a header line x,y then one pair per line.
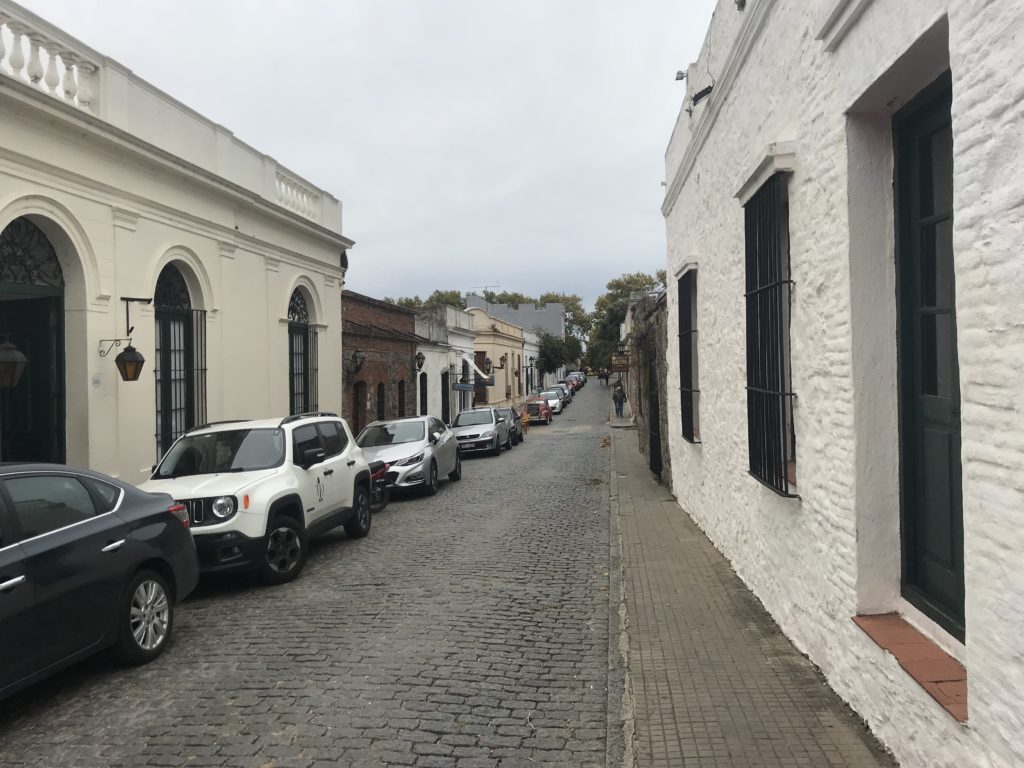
x,y
689,393
380,401
770,432
302,357
423,394
180,364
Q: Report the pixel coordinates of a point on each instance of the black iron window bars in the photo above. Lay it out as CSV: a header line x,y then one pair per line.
x,y
302,357
688,389
770,396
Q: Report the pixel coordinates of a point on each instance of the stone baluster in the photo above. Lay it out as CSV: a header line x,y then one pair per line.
x,y
86,84
52,77
17,59
69,85
35,68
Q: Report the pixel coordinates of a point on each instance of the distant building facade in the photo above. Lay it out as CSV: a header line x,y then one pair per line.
x,y
498,353
381,380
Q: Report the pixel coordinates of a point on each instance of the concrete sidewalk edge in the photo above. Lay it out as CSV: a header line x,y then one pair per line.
x,y
620,746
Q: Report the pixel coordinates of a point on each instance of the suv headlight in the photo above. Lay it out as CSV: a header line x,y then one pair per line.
x,y
223,507
410,461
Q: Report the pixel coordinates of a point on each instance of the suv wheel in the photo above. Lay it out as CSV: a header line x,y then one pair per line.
x,y
285,552
147,615
456,474
359,525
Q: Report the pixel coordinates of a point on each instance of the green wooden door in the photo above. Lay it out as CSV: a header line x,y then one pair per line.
x,y
932,508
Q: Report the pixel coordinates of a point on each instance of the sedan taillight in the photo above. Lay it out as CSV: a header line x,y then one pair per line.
x,y
180,511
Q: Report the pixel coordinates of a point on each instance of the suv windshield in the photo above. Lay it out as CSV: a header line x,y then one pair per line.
x,y
395,433
468,418
550,395
236,450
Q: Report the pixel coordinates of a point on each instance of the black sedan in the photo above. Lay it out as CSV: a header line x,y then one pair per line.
x,y
86,562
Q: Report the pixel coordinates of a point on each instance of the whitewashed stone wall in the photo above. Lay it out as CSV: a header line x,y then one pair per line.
x,y
818,561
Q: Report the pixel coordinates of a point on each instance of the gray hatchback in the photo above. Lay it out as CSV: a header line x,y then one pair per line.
x,y
482,429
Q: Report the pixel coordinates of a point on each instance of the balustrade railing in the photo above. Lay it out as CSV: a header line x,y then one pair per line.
x,y
34,57
297,197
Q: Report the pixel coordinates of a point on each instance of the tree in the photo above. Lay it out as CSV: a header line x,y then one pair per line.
x,y
610,311
435,299
556,352
577,319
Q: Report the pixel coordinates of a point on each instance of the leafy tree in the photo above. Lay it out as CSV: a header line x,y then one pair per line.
x,y
577,319
435,299
556,352
610,311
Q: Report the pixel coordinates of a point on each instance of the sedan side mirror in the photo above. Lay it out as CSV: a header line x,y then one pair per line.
x,y
501,419
312,457
435,437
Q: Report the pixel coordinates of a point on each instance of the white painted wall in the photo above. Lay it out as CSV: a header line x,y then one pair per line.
x,y
118,207
817,561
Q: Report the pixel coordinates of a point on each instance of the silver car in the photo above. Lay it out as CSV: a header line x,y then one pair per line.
x,y
554,398
419,450
566,393
482,429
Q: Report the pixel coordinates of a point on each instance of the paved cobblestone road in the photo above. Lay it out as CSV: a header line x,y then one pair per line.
x,y
469,629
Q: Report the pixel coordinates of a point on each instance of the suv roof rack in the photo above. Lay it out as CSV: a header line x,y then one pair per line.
x,y
311,414
209,424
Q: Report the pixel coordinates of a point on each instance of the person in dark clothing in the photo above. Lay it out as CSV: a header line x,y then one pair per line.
x,y
618,398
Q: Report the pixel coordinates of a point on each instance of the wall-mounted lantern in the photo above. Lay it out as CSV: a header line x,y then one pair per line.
x,y
12,364
488,365
420,358
503,360
358,358
129,361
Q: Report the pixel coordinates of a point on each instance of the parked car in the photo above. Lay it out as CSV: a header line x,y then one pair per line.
x,y
567,396
538,411
419,449
515,426
258,491
86,562
482,429
555,398
581,374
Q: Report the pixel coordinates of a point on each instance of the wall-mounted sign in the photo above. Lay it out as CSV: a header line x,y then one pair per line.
x,y
460,387
620,363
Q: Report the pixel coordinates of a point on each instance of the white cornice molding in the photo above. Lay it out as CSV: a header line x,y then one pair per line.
x,y
754,21
779,157
82,122
835,24
125,219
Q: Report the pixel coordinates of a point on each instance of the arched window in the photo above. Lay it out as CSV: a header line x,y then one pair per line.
x,y
423,394
180,365
380,401
401,398
302,357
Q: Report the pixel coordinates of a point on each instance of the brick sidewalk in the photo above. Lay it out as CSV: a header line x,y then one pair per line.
x,y
715,682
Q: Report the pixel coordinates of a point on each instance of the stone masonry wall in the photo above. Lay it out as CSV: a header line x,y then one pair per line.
x,y
805,558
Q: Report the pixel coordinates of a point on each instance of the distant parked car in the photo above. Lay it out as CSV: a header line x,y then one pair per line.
x,y
482,429
581,374
86,562
538,411
555,398
419,449
515,427
567,396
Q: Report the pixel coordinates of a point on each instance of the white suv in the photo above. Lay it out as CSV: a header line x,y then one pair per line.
x,y
258,491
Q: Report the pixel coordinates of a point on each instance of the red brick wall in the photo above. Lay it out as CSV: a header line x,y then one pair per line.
x,y
388,361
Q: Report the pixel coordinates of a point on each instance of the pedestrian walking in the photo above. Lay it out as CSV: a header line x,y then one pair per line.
x,y
618,397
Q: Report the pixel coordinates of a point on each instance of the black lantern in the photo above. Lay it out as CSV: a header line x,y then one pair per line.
x,y
358,358
420,357
12,364
503,360
488,365
129,363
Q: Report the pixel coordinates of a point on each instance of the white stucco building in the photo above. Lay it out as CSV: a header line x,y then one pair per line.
x,y
111,190
447,359
846,261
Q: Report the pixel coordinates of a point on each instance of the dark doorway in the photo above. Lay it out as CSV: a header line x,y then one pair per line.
x,y
423,395
381,401
32,414
929,386
446,397
653,411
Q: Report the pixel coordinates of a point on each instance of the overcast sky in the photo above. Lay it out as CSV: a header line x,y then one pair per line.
x,y
472,142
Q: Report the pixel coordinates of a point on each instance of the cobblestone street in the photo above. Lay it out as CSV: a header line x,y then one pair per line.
x,y
470,629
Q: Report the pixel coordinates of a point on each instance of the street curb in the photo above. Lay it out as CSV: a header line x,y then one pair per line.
x,y
619,745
